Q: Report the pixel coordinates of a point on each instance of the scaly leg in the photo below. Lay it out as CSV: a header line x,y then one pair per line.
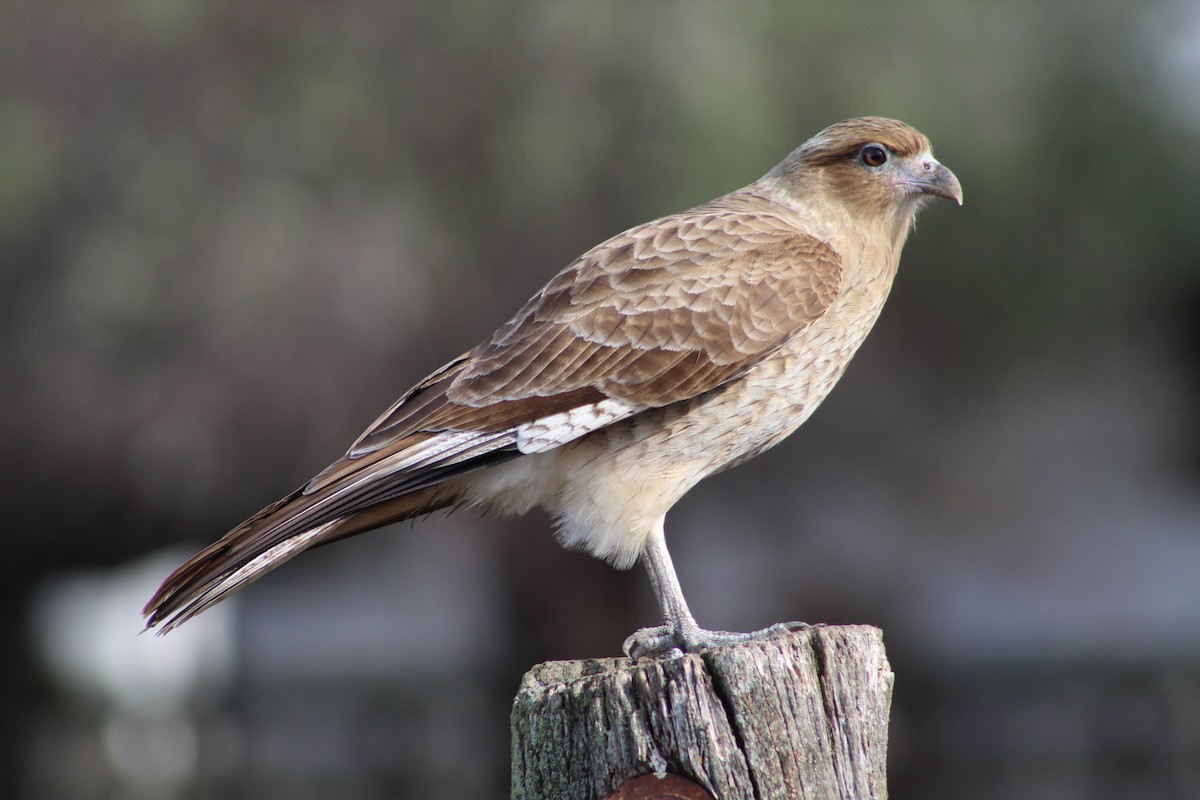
x,y
679,628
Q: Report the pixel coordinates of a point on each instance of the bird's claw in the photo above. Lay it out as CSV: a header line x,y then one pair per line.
x,y
662,639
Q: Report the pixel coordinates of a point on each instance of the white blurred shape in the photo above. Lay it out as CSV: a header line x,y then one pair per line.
x,y
160,752
86,628
1176,45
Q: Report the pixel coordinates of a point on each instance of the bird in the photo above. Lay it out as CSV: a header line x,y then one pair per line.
x,y
668,353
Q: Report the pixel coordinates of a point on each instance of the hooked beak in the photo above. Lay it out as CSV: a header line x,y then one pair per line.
x,y
928,176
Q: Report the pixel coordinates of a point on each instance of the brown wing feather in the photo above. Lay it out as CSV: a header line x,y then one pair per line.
x,y
664,312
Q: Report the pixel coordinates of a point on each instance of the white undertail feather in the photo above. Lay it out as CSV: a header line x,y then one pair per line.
x,y
566,426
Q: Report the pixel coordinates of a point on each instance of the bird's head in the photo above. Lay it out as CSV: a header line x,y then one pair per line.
x,y
873,167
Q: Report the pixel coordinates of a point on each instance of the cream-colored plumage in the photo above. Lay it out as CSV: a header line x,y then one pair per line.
x,y
668,353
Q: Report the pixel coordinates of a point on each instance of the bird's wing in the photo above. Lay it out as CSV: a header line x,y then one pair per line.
x,y
664,312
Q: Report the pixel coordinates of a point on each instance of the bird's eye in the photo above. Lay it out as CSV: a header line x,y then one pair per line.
x,y
873,155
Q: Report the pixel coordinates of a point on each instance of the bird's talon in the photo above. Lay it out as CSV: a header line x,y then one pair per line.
x,y
672,643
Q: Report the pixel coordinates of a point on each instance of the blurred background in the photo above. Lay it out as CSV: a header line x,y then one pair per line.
x,y
232,233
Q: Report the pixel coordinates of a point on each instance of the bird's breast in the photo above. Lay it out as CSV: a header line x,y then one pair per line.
x,y
778,394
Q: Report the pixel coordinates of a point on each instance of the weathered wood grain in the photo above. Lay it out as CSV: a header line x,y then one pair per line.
x,y
799,716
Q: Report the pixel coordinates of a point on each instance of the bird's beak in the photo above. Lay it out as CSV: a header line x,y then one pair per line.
x,y
928,176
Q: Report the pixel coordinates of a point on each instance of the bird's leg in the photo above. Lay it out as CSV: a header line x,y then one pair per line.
x,y
677,617
679,629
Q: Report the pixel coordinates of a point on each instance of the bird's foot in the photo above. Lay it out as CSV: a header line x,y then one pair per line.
x,y
662,639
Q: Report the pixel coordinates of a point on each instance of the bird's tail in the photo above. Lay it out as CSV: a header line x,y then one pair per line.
x,y
263,542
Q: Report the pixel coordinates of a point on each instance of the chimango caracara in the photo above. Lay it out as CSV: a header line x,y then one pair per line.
x,y
668,353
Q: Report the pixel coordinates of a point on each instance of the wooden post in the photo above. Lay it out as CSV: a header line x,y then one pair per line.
x,y
799,716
